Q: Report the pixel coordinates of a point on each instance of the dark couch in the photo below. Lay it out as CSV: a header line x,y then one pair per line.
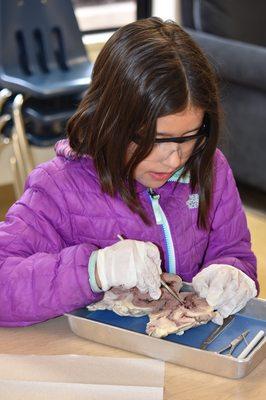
x,y
241,67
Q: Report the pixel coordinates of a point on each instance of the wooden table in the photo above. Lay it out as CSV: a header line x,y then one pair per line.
x,y
55,337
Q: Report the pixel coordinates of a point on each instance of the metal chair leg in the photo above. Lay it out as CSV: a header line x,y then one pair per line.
x,y
17,184
5,94
22,162
5,118
18,155
19,128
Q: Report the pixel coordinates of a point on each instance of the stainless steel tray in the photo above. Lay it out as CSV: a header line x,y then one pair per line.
x,y
252,317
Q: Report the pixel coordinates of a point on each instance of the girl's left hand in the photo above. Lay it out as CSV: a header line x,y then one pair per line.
x,y
227,289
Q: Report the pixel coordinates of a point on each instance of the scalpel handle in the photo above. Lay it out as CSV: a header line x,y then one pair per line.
x,y
251,345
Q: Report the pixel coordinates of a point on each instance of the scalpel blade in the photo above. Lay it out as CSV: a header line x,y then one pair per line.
x,y
217,332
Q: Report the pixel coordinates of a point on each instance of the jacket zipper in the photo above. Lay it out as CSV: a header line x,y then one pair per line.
x,y
162,220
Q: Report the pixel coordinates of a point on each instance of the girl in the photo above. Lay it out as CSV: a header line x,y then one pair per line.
x,y
141,161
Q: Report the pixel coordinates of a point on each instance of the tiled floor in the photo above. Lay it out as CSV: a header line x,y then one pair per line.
x,y
255,206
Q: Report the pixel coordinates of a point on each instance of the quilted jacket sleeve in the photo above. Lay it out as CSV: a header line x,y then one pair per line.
x,y
229,240
41,276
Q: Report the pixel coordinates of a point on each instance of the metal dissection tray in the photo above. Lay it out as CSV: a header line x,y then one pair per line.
x,y
128,333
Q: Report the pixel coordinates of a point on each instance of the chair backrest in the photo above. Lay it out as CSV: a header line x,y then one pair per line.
x,y
41,45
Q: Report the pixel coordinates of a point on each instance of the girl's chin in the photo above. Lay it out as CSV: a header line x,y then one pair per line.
x,y
153,180
153,183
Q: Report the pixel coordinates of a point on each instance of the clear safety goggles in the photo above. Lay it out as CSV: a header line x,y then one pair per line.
x,y
186,146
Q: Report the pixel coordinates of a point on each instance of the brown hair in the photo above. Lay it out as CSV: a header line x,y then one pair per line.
x,y
147,69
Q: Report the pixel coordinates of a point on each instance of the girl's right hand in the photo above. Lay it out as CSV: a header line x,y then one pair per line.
x,y
130,263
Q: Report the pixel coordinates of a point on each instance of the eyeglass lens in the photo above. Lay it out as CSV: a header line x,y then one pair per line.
x,y
186,149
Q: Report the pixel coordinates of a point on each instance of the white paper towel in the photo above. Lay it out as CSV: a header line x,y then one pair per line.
x,y
83,377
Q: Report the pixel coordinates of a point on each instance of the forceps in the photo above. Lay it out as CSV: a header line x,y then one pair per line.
x,y
232,345
175,295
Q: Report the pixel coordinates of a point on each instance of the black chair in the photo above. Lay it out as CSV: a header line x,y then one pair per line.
x,y
44,72
41,50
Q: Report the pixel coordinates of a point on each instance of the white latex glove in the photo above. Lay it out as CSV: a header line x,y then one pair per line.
x,y
226,289
130,263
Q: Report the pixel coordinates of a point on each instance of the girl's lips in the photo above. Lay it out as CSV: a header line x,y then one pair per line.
x,y
160,176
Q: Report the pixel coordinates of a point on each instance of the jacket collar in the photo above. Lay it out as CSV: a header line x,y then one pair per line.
x,y
176,175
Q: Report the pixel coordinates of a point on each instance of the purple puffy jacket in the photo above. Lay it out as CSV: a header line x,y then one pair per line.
x,y
50,233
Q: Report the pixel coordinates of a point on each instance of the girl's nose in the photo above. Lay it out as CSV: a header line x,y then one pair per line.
x,y
174,159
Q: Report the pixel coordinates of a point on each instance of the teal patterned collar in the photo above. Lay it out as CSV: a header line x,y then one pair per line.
x,y
176,175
